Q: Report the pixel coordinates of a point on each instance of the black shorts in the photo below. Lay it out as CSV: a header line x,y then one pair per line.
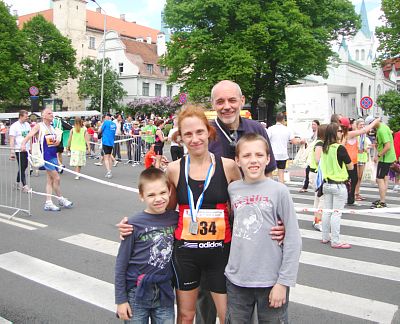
x,y
158,149
281,164
382,170
107,149
60,147
191,263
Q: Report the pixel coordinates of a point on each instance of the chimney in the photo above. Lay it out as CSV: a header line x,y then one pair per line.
x,y
161,46
98,9
15,13
139,39
122,17
148,40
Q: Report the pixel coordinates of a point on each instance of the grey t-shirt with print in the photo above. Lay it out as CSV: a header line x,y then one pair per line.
x,y
255,259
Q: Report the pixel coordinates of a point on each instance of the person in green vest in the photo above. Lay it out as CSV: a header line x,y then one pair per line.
x,y
334,163
78,144
148,133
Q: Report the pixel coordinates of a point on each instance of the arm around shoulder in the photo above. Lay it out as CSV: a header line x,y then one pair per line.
x,y
231,170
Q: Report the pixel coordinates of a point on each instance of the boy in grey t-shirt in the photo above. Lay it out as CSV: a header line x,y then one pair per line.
x,y
260,271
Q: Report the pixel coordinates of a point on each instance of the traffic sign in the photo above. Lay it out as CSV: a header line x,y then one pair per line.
x,y
183,98
366,103
34,91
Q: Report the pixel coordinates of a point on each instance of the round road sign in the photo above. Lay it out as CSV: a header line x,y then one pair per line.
x,y
366,103
34,91
183,98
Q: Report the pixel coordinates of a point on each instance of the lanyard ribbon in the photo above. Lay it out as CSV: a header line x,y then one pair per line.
x,y
194,210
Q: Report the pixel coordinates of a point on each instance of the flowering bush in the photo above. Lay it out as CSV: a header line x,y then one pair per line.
x,y
162,106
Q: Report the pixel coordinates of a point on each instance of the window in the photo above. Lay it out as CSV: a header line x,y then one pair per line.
x,y
169,91
361,90
362,55
149,68
158,90
357,55
146,87
333,104
92,42
121,68
163,70
369,91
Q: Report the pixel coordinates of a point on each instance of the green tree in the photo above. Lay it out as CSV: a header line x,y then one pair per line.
x,y
389,33
90,84
13,82
49,56
262,45
390,104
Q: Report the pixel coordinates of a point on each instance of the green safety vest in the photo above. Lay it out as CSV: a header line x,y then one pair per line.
x,y
330,166
313,162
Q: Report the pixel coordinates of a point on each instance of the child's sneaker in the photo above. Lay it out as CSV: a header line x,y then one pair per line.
x,y
64,202
49,206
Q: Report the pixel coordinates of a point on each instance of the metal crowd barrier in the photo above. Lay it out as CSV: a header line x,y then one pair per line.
x,y
13,198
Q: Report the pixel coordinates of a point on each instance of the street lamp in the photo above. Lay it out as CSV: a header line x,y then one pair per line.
x,y
104,57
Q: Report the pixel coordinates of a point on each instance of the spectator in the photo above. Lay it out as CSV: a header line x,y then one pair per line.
x,y
78,144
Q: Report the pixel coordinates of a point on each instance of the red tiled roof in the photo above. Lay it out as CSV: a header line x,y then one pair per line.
x,y
142,54
47,14
95,20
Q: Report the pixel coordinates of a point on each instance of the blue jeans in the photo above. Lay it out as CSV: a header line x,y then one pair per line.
x,y
241,303
335,196
149,307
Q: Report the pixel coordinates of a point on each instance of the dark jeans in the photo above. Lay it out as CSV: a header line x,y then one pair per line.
x,y
149,307
307,179
129,149
22,158
353,176
3,138
117,148
176,152
242,302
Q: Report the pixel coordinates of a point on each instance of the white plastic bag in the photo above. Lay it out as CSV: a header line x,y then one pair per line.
x,y
369,171
36,157
301,158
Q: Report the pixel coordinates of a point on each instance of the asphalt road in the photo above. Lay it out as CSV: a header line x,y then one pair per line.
x,y
61,271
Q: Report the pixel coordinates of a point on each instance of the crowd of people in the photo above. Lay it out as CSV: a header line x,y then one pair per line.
x,y
208,211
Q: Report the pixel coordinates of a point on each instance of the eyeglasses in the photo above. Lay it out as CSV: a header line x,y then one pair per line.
x,y
340,130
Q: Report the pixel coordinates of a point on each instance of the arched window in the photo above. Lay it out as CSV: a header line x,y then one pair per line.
x,y
357,55
362,55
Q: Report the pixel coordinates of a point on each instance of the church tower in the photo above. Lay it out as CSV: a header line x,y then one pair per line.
x,y
362,46
69,16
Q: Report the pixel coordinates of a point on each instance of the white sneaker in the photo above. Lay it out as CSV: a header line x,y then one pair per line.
x,y
25,188
317,226
77,177
64,202
109,175
98,163
115,163
396,188
49,206
18,186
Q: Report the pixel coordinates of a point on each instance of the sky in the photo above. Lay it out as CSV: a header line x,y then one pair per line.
x,y
148,12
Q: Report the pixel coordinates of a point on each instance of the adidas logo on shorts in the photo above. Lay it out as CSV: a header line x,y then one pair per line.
x,y
208,245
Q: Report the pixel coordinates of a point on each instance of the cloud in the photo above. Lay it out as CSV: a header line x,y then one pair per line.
x,y
27,6
373,18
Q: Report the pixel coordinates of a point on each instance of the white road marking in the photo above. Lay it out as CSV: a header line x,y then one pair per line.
x,y
366,309
350,265
22,220
93,243
6,221
4,321
359,224
78,285
355,240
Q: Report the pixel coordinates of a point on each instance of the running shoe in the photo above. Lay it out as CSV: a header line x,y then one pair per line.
x,y
18,186
49,206
317,226
60,168
376,202
396,188
77,177
379,205
25,188
98,163
109,175
115,163
64,202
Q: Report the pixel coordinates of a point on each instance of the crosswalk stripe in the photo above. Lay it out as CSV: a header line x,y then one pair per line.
x,y
4,321
359,224
351,265
22,220
350,305
355,240
93,243
78,285
6,221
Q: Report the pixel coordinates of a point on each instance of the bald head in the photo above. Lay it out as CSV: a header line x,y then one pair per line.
x,y
225,83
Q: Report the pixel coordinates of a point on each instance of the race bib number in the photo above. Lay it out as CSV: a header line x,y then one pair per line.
x,y
50,140
211,225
